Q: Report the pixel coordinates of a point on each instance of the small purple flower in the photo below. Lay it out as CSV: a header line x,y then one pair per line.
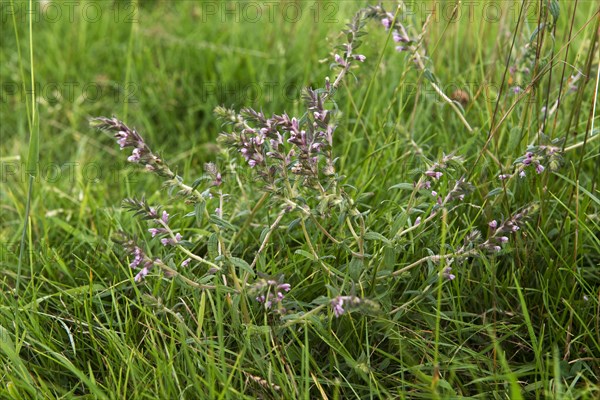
x,y
400,49
337,306
165,217
522,174
503,239
516,89
417,221
141,275
360,58
154,231
338,59
252,163
447,274
497,248
138,257
434,174
434,193
286,287
386,22
503,176
493,224
135,156
398,38
186,262
171,241
539,168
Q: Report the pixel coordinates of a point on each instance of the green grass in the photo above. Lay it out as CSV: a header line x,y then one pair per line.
x,y
523,323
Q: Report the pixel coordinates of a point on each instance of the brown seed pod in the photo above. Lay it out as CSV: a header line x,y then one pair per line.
x,y
461,96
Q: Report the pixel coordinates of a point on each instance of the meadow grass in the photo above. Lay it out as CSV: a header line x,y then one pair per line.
x,y
523,322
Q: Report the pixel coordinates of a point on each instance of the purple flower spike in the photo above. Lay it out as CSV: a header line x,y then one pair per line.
x,y
138,257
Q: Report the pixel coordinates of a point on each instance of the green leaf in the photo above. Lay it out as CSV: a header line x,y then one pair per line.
x,y
402,186
221,222
293,224
429,76
376,236
554,8
306,254
355,268
497,191
389,258
241,264
199,211
213,246
537,30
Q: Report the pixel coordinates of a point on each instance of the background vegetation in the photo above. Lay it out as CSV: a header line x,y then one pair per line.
x,y
522,323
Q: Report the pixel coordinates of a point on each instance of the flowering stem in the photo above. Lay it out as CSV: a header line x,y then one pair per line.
x,y
435,257
186,251
412,228
272,228
170,271
304,316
